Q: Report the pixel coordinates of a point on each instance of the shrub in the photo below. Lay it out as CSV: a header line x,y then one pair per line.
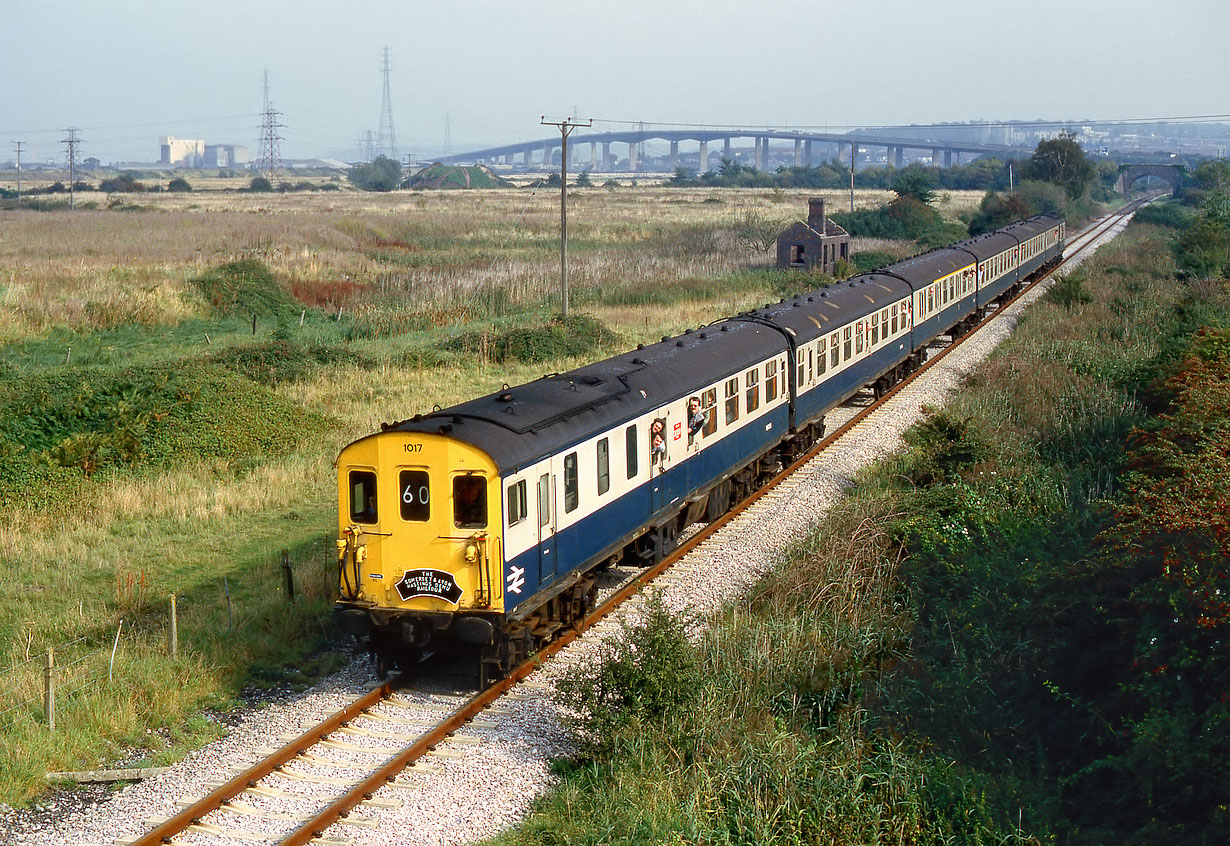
x,y
260,184
1069,290
244,287
121,183
382,174
576,335
179,184
276,362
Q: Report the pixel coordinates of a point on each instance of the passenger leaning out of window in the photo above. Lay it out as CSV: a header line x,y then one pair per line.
x,y
696,419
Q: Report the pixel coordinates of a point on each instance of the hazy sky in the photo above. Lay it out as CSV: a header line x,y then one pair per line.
x,y
128,71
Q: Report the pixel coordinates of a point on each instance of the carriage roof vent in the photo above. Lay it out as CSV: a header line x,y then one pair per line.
x,y
638,360
704,336
679,343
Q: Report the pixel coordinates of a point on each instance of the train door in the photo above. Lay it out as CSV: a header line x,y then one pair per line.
x,y
547,555
678,446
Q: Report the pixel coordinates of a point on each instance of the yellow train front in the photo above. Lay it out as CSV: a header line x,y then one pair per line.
x,y
419,544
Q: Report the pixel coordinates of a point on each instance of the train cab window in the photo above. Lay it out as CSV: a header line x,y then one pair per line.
x,y
415,495
362,496
604,466
470,502
834,350
732,400
518,506
708,404
875,329
847,342
751,381
572,495
630,446
770,381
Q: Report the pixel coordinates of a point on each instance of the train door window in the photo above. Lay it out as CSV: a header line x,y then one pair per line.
x,y
630,446
708,404
751,382
834,350
544,499
848,343
821,357
362,496
732,400
781,377
893,311
470,502
572,496
518,506
604,466
770,381
415,495
811,365
875,329
930,299
799,380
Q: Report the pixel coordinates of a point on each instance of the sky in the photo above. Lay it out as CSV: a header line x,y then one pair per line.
x,y
126,72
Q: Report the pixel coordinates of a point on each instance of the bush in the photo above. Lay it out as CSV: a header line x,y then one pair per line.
x,y
260,184
244,287
277,362
1170,215
179,184
577,335
122,183
382,174
1069,290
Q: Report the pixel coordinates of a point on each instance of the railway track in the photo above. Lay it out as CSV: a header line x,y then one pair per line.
x,y
331,773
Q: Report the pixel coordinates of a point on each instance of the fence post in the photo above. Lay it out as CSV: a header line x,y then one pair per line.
x,y
173,640
290,576
49,690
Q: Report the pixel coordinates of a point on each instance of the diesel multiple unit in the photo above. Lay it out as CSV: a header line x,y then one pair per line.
x,y
484,523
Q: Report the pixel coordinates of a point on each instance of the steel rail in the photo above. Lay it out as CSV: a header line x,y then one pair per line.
x,y
314,827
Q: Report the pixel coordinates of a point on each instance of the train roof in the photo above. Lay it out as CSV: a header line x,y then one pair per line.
x,y
988,244
808,316
518,425
1036,225
921,270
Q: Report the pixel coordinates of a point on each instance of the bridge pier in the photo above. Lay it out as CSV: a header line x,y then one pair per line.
x,y
807,153
704,158
798,152
726,148
948,158
897,154
674,156
593,155
632,163
761,152
606,156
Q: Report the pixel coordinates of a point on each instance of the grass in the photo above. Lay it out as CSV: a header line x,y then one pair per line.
x,y
132,382
922,668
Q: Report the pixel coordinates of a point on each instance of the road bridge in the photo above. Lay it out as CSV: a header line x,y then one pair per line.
x,y
809,148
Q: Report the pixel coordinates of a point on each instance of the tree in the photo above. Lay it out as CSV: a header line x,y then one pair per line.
x,y
382,174
1061,161
914,182
260,184
583,180
179,184
121,183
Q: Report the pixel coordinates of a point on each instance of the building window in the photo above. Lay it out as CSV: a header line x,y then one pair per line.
x,y
517,505
415,495
796,254
572,496
362,496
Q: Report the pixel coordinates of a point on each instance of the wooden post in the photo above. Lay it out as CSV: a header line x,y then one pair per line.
x,y
290,576
49,690
173,644
253,323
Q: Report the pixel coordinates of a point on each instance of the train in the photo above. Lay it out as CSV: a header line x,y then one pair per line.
x,y
483,526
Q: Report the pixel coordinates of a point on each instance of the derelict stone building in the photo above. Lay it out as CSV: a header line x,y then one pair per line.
x,y
818,243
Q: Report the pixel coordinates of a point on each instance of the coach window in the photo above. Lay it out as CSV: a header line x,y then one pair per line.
x,y
834,350
893,311
517,505
415,495
470,502
571,488
858,338
708,404
544,499
799,380
811,365
821,358
847,342
770,381
732,400
362,496
875,329
752,383
630,446
604,466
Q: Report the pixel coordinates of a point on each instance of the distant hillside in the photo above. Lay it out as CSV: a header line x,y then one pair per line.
x,y
438,176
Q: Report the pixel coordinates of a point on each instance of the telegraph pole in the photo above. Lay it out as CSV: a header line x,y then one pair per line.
x,y
565,129
17,147
72,141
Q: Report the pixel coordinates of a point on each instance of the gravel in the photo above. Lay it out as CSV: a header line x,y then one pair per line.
x,y
486,779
